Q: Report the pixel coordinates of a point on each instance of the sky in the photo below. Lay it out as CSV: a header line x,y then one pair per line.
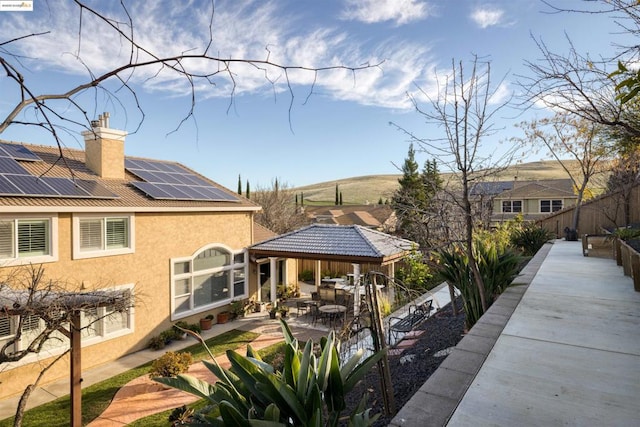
x,y
338,123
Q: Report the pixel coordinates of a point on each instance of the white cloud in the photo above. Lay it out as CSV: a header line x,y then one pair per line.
x,y
249,29
487,16
400,11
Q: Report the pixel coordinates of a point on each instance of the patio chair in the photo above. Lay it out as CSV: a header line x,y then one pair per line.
x,y
301,306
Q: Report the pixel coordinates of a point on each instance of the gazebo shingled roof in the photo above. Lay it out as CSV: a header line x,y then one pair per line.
x,y
350,243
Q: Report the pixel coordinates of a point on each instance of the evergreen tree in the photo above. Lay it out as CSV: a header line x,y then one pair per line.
x,y
380,201
412,201
239,185
247,192
301,199
341,198
337,197
431,180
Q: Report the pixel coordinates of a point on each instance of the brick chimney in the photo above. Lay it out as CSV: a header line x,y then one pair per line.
x,y
104,149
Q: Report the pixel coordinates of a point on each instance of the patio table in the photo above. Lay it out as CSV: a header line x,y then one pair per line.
x,y
334,311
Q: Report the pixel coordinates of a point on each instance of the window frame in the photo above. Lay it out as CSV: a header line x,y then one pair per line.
x,y
511,206
551,205
227,270
52,237
79,253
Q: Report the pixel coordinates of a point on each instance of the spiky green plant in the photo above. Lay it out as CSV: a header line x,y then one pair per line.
x,y
530,238
497,268
309,391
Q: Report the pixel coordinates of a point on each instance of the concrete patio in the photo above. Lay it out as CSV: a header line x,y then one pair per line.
x,y
563,348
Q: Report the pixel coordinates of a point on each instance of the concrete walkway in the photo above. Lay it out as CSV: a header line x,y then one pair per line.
x,y
564,350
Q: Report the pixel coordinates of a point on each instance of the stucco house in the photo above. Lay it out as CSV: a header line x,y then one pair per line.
x,y
173,237
503,200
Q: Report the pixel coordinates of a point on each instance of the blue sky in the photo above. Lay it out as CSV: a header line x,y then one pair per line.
x,y
342,130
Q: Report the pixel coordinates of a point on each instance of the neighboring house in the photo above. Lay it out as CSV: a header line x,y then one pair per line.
x,y
377,217
172,236
502,201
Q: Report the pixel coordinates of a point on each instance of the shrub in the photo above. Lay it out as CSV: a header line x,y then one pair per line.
x,y
171,364
157,343
306,275
415,273
530,238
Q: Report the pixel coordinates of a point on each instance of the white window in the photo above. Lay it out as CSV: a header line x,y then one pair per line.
x,y
511,206
213,277
550,205
28,240
96,236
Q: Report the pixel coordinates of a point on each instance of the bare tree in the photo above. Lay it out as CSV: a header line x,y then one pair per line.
x,y
463,108
581,85
575,138
67,110
279,211
37,311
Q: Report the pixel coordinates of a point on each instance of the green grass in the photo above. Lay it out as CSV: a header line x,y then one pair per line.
x,y
96,398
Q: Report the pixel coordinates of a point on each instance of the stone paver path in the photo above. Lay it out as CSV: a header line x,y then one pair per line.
x,y
142,397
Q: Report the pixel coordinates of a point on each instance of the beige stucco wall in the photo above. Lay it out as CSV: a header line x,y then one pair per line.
x,y
158,238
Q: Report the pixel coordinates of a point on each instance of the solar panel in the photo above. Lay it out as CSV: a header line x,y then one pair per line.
x,y
165,180
8,165
151,190
31,185
17,152
65,187
95,189
6,187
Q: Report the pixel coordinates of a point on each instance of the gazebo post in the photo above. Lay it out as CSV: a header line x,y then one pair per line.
x,y
356,289
391,290
274,278
318,274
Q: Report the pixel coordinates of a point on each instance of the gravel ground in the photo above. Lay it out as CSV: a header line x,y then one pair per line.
x,y
411,370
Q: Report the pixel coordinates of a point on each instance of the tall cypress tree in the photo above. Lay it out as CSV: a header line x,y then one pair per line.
x,y
247,192
337,198
239,185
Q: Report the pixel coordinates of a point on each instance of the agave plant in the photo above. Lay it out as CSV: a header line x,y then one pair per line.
x,y
309,391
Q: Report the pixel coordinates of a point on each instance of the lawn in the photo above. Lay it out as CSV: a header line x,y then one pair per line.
x,y
96,398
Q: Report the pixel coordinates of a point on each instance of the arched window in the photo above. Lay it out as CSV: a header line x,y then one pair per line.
x,y
212,277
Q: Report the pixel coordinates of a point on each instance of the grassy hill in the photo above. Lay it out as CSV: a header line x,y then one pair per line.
x,y
369,189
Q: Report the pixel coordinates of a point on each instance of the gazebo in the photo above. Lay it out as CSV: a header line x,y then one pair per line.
x,y
348,243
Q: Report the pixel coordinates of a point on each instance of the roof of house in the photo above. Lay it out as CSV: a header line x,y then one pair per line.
x,y
540,189
366,215
127,196
336,242
261,233
490,188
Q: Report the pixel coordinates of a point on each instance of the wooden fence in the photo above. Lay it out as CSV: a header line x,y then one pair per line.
x,y
604,211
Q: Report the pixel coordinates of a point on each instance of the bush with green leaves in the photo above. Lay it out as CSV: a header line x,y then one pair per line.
x,y
530,238
309,391
171,364
497,268
414,273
